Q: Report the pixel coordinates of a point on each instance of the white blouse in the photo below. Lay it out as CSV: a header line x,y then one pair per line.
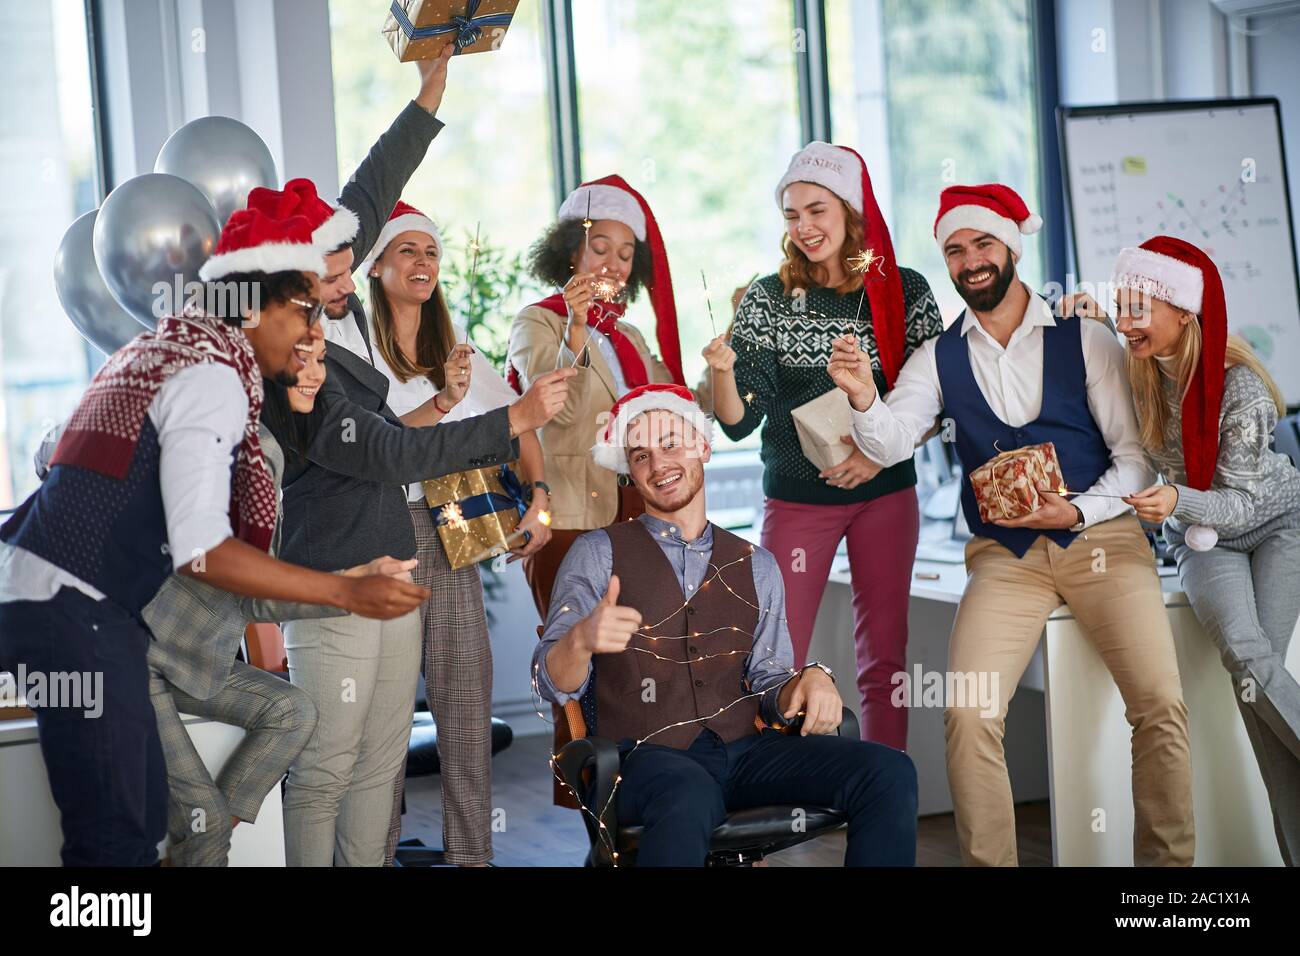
x,y
487,389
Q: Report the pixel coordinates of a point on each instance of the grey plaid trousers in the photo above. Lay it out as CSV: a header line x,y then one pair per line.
x,y
458,683
279,719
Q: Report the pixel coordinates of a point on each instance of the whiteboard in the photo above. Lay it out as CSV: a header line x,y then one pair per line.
x,y
1211,173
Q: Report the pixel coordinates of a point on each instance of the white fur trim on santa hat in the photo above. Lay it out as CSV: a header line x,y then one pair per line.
x,y
408,222
1171,280
612,453
983,219
825,165
338,230
607,202
268,257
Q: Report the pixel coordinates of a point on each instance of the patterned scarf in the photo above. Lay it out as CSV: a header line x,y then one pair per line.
x,y
103,432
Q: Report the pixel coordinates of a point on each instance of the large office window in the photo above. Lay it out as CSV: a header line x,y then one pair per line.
x,y
491,165
48,166
695,105
942,91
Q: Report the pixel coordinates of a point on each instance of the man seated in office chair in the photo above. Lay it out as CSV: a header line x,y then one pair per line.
x,y
671,632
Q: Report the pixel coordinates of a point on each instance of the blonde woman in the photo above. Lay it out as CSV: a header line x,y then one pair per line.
x,y
1230,505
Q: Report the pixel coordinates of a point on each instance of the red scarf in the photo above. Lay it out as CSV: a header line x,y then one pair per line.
x,y
603,317
103,432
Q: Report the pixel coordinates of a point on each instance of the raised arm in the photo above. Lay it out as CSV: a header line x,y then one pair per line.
x,y
377,184
888,431
752,385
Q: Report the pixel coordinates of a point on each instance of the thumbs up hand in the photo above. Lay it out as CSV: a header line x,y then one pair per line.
x,y
609,627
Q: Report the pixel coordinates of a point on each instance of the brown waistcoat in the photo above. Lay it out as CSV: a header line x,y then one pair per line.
x,y
683,687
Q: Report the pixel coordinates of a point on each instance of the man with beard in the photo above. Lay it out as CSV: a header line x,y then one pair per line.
x,y
671,631
1006,375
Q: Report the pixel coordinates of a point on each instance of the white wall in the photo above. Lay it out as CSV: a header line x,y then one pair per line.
x,y
1114,51
266,64
1273,45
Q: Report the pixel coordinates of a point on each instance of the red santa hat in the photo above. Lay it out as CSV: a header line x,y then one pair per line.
x,y
332,226
612,198
841,170
610,450
404,218
252,241
1179,273
992,208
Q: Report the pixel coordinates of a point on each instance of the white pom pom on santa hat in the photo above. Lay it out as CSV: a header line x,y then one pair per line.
x,y
610,451
992,208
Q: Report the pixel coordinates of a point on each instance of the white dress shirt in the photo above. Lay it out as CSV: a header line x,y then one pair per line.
x,y
1011,380
488,391
199,414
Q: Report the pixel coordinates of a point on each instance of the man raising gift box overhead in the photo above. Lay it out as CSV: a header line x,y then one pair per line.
x,y
1003,376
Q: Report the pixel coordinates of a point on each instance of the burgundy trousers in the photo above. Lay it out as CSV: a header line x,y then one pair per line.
x,y
881,535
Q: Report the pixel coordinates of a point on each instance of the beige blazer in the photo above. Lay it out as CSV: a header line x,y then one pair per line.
x,y
583,495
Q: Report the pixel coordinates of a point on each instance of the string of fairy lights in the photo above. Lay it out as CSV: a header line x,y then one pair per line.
x,y
607,289
597,814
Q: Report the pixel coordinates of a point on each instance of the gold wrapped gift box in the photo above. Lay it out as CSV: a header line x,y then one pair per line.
x,y
475,512
421,29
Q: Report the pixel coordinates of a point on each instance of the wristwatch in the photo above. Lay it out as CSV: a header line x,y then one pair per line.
x,y
820,666
534,485
1078,525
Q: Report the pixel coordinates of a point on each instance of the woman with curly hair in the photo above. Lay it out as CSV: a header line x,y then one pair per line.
x,y
839,261
602,250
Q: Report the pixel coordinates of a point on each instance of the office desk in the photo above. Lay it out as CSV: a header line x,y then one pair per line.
x,y
1066,736
29,820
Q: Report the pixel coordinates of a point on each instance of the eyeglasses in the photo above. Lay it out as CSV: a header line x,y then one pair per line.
x,y
314,310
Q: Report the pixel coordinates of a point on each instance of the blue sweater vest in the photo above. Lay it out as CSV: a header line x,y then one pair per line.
x,y
1065,420
111,534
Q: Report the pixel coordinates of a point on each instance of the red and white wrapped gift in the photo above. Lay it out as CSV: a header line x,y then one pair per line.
x,y
1006,486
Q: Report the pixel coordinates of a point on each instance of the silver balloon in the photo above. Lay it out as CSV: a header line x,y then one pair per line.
x,y
152,235
221,156
83,295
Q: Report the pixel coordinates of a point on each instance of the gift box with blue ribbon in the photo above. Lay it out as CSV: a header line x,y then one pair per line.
x,y
421,29
476,512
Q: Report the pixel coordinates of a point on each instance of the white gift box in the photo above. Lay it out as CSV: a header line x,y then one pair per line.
x,y
820,423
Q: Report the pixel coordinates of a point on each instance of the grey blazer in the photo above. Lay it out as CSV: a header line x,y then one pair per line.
x,y
347,503
197,628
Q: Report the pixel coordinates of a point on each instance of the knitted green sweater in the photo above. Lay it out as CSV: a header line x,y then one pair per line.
x,y
781,356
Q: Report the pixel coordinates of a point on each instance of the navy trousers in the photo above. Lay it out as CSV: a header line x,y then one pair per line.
x,y
680,796
103,755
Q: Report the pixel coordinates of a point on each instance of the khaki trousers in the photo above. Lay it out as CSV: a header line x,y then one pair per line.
x,y
1108,579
